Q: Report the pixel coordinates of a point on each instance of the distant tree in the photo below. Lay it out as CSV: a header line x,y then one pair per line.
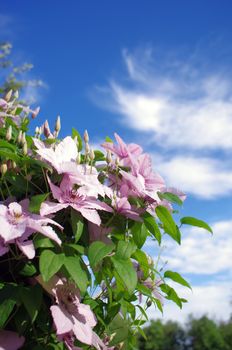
x,y
12,76
159,336
204,334
225,329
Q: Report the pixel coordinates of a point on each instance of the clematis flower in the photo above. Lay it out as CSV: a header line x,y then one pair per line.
x,y
17,224
123,207
72,319
60,156
68,196
123,151
10,340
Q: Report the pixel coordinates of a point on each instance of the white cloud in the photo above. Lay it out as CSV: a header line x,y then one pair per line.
x,y
183,108
212,299
203,177
200,253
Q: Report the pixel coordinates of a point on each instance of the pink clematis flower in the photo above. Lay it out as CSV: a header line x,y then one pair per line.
x,y
123,151
123,207
72,319
10,340
68,196
17,224
60,156
142,181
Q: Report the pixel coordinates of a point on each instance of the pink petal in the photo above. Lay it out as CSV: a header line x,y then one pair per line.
x,y
27,248
56,191
10,340
45,230
86,311
9,232
63,321
83,332
90,214
50,207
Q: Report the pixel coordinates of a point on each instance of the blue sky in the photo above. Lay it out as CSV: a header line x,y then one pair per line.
x,y
160,74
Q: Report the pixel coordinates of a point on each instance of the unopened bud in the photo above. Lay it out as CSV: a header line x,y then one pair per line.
x,y
78,160
76,140
23,138
35,113
108,157
117,162
37,130
16,94
14,165
91,154
9,133
86,136
58,124
8,95
3,168
87,148
19,138
25,149
46,130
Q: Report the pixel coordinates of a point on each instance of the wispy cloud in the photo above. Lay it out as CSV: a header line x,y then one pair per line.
x,y
5,25
200,253
202,176
186,110
211,299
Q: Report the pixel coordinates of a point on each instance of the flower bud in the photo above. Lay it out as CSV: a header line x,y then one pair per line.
x,y
19,138
46,130
23,138
91,154
25,149
108,157
8,95
87,148
16,94
3,168
76,140
86,136
35,113
14,165
78,160
58,124
9,133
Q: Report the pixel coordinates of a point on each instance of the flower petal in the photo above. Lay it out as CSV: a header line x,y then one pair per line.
x,y
63,321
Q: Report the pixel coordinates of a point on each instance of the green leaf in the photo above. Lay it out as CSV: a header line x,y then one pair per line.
x,y
140,233
28,270
108,139
126,272
98,251
8,154
77,272
50,263
32,299
79,139
176,277
151,225
188,220
125,249
171,294
169,224
42,242
77,224
6,307
141,257
170,197
36,201
99,156
6,144
118,329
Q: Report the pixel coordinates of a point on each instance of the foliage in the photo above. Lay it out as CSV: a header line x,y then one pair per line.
x,y
14,77
198,334
73,224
